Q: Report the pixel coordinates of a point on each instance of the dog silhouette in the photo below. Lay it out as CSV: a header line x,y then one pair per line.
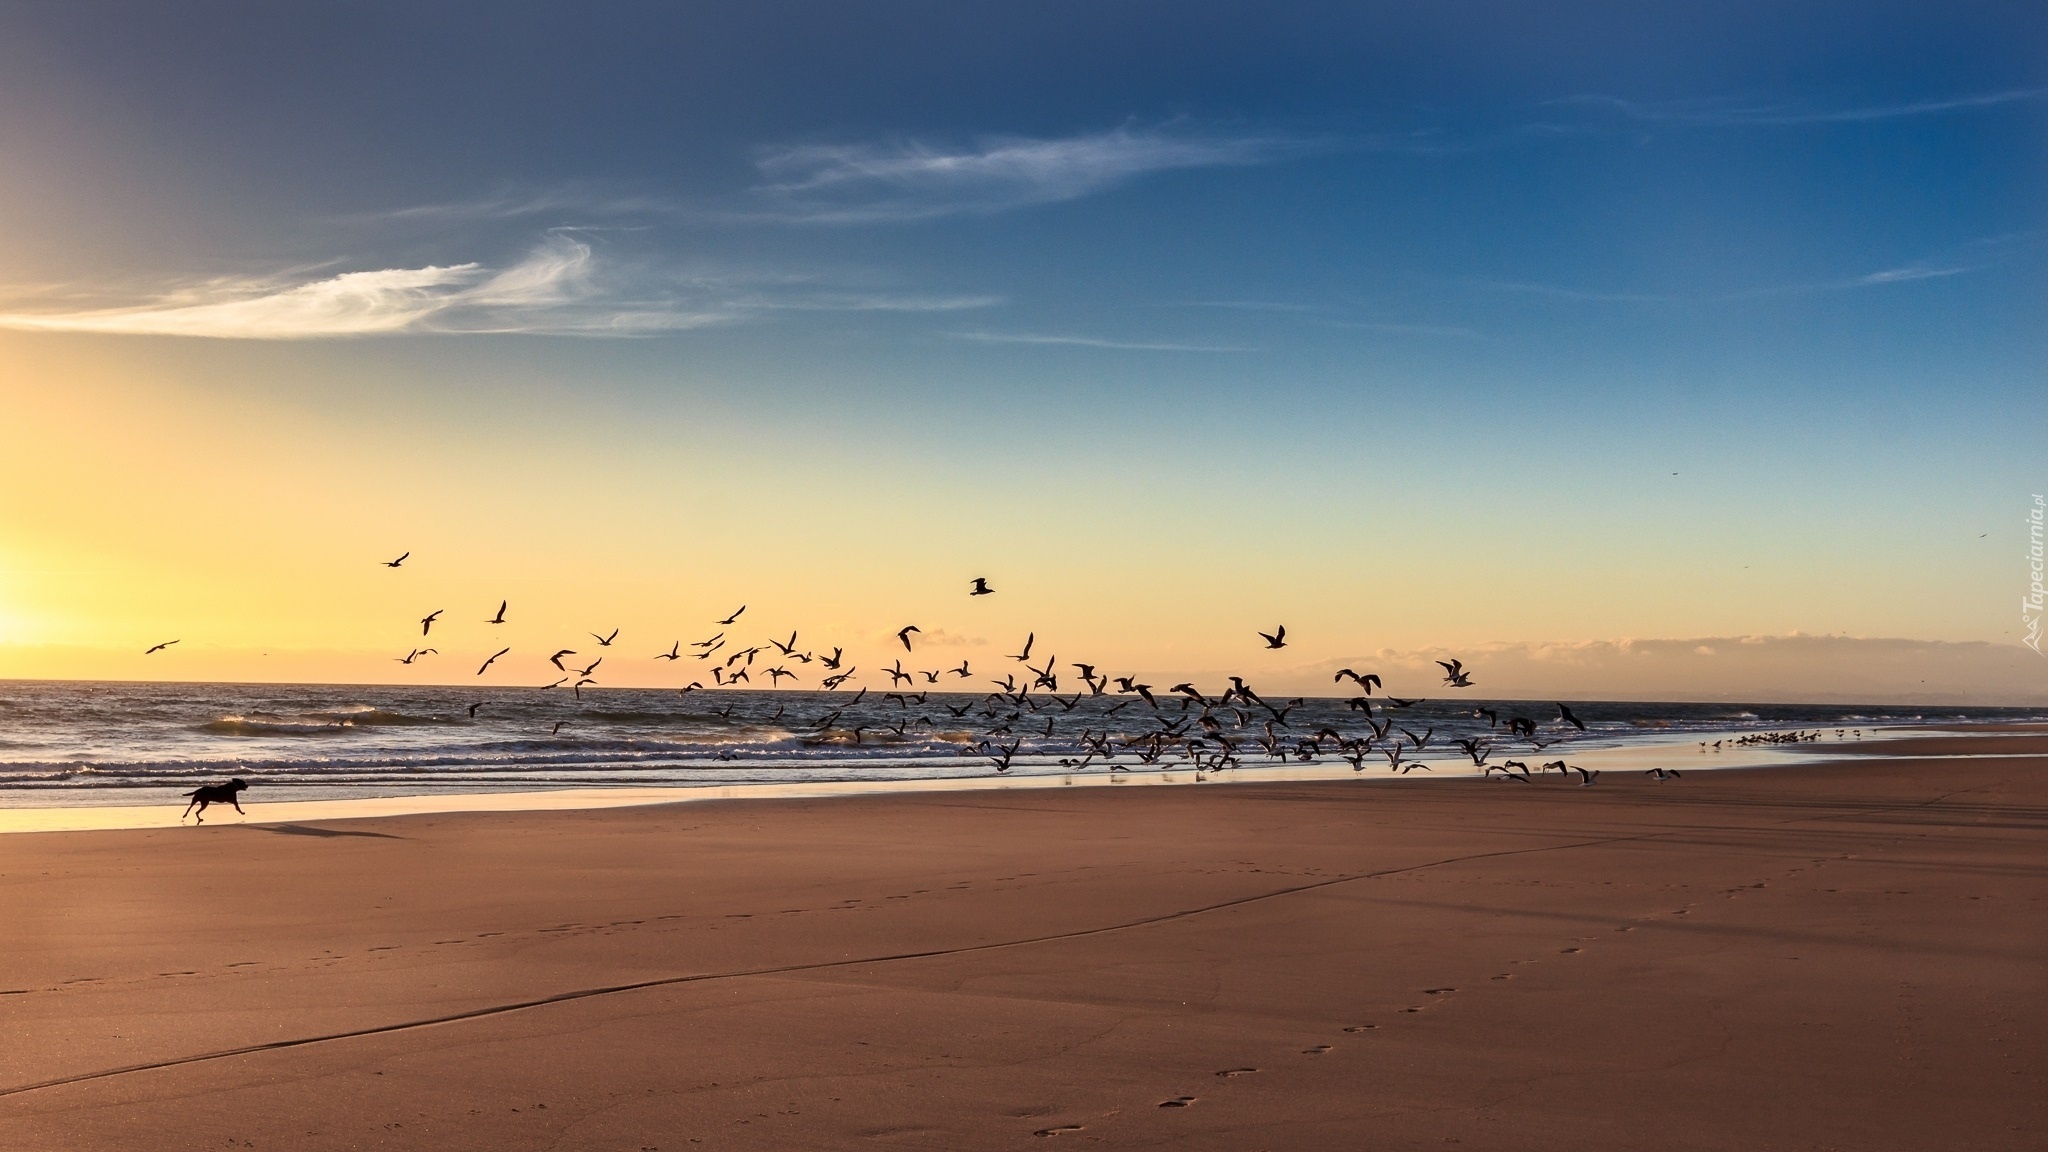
x,y
214,794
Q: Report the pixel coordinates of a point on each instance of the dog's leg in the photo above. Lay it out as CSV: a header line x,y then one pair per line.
x,y
202,812
237,802
187,811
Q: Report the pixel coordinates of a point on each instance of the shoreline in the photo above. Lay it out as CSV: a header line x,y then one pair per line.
x,y
1686,757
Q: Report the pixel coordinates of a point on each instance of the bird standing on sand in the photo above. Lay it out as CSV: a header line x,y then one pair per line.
x,y
160,647
981,587
1277,638
492,660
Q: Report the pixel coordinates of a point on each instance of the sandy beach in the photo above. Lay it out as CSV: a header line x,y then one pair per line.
x,y
1844,955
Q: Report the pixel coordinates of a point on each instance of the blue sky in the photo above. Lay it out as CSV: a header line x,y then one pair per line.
x,y
1377,286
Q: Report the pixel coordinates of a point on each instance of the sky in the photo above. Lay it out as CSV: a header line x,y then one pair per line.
x,y
1615,349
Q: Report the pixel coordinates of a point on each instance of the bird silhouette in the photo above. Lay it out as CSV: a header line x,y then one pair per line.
x,y
394,563
1366,683
904,635
1025,655
1564,715
605,641
427,621
1454,673
160,647
981,587
492,660
1277,638
675,652
736,615
556,659
500,617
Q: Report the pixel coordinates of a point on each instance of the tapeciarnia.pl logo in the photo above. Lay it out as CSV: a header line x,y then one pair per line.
x,y
2031,604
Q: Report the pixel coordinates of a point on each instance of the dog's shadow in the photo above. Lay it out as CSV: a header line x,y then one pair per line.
x,y
323,833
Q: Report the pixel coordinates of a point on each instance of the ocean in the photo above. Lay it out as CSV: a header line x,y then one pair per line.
x,y
97,743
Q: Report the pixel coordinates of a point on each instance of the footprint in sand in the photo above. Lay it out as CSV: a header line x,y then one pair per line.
x,y
1177,1102
1057,1129
1227,1073
1437,991
1566,951
1361,1027
1318,1050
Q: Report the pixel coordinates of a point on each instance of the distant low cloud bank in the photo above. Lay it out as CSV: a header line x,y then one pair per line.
x,y
1761,669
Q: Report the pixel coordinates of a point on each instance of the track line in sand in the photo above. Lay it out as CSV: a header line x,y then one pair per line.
x,y
886,958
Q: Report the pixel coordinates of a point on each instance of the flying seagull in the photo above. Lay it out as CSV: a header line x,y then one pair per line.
x,y
427,621
500,617
394,563
492,660
605,641
160,647
1564,715
556,659
733,617
904,635
1277,638
981,587
1454,673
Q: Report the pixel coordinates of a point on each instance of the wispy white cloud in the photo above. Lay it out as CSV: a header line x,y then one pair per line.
x,y
911,180
1902,275
1730,113
559,288
1093,342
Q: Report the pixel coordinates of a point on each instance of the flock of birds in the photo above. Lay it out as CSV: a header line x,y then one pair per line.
x,y
1182,726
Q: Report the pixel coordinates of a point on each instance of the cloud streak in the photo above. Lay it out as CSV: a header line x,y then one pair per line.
x,y
1726,113
1092,342
911,180
559,288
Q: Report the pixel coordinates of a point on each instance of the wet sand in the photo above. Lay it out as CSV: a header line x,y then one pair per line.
x,y
1846,955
